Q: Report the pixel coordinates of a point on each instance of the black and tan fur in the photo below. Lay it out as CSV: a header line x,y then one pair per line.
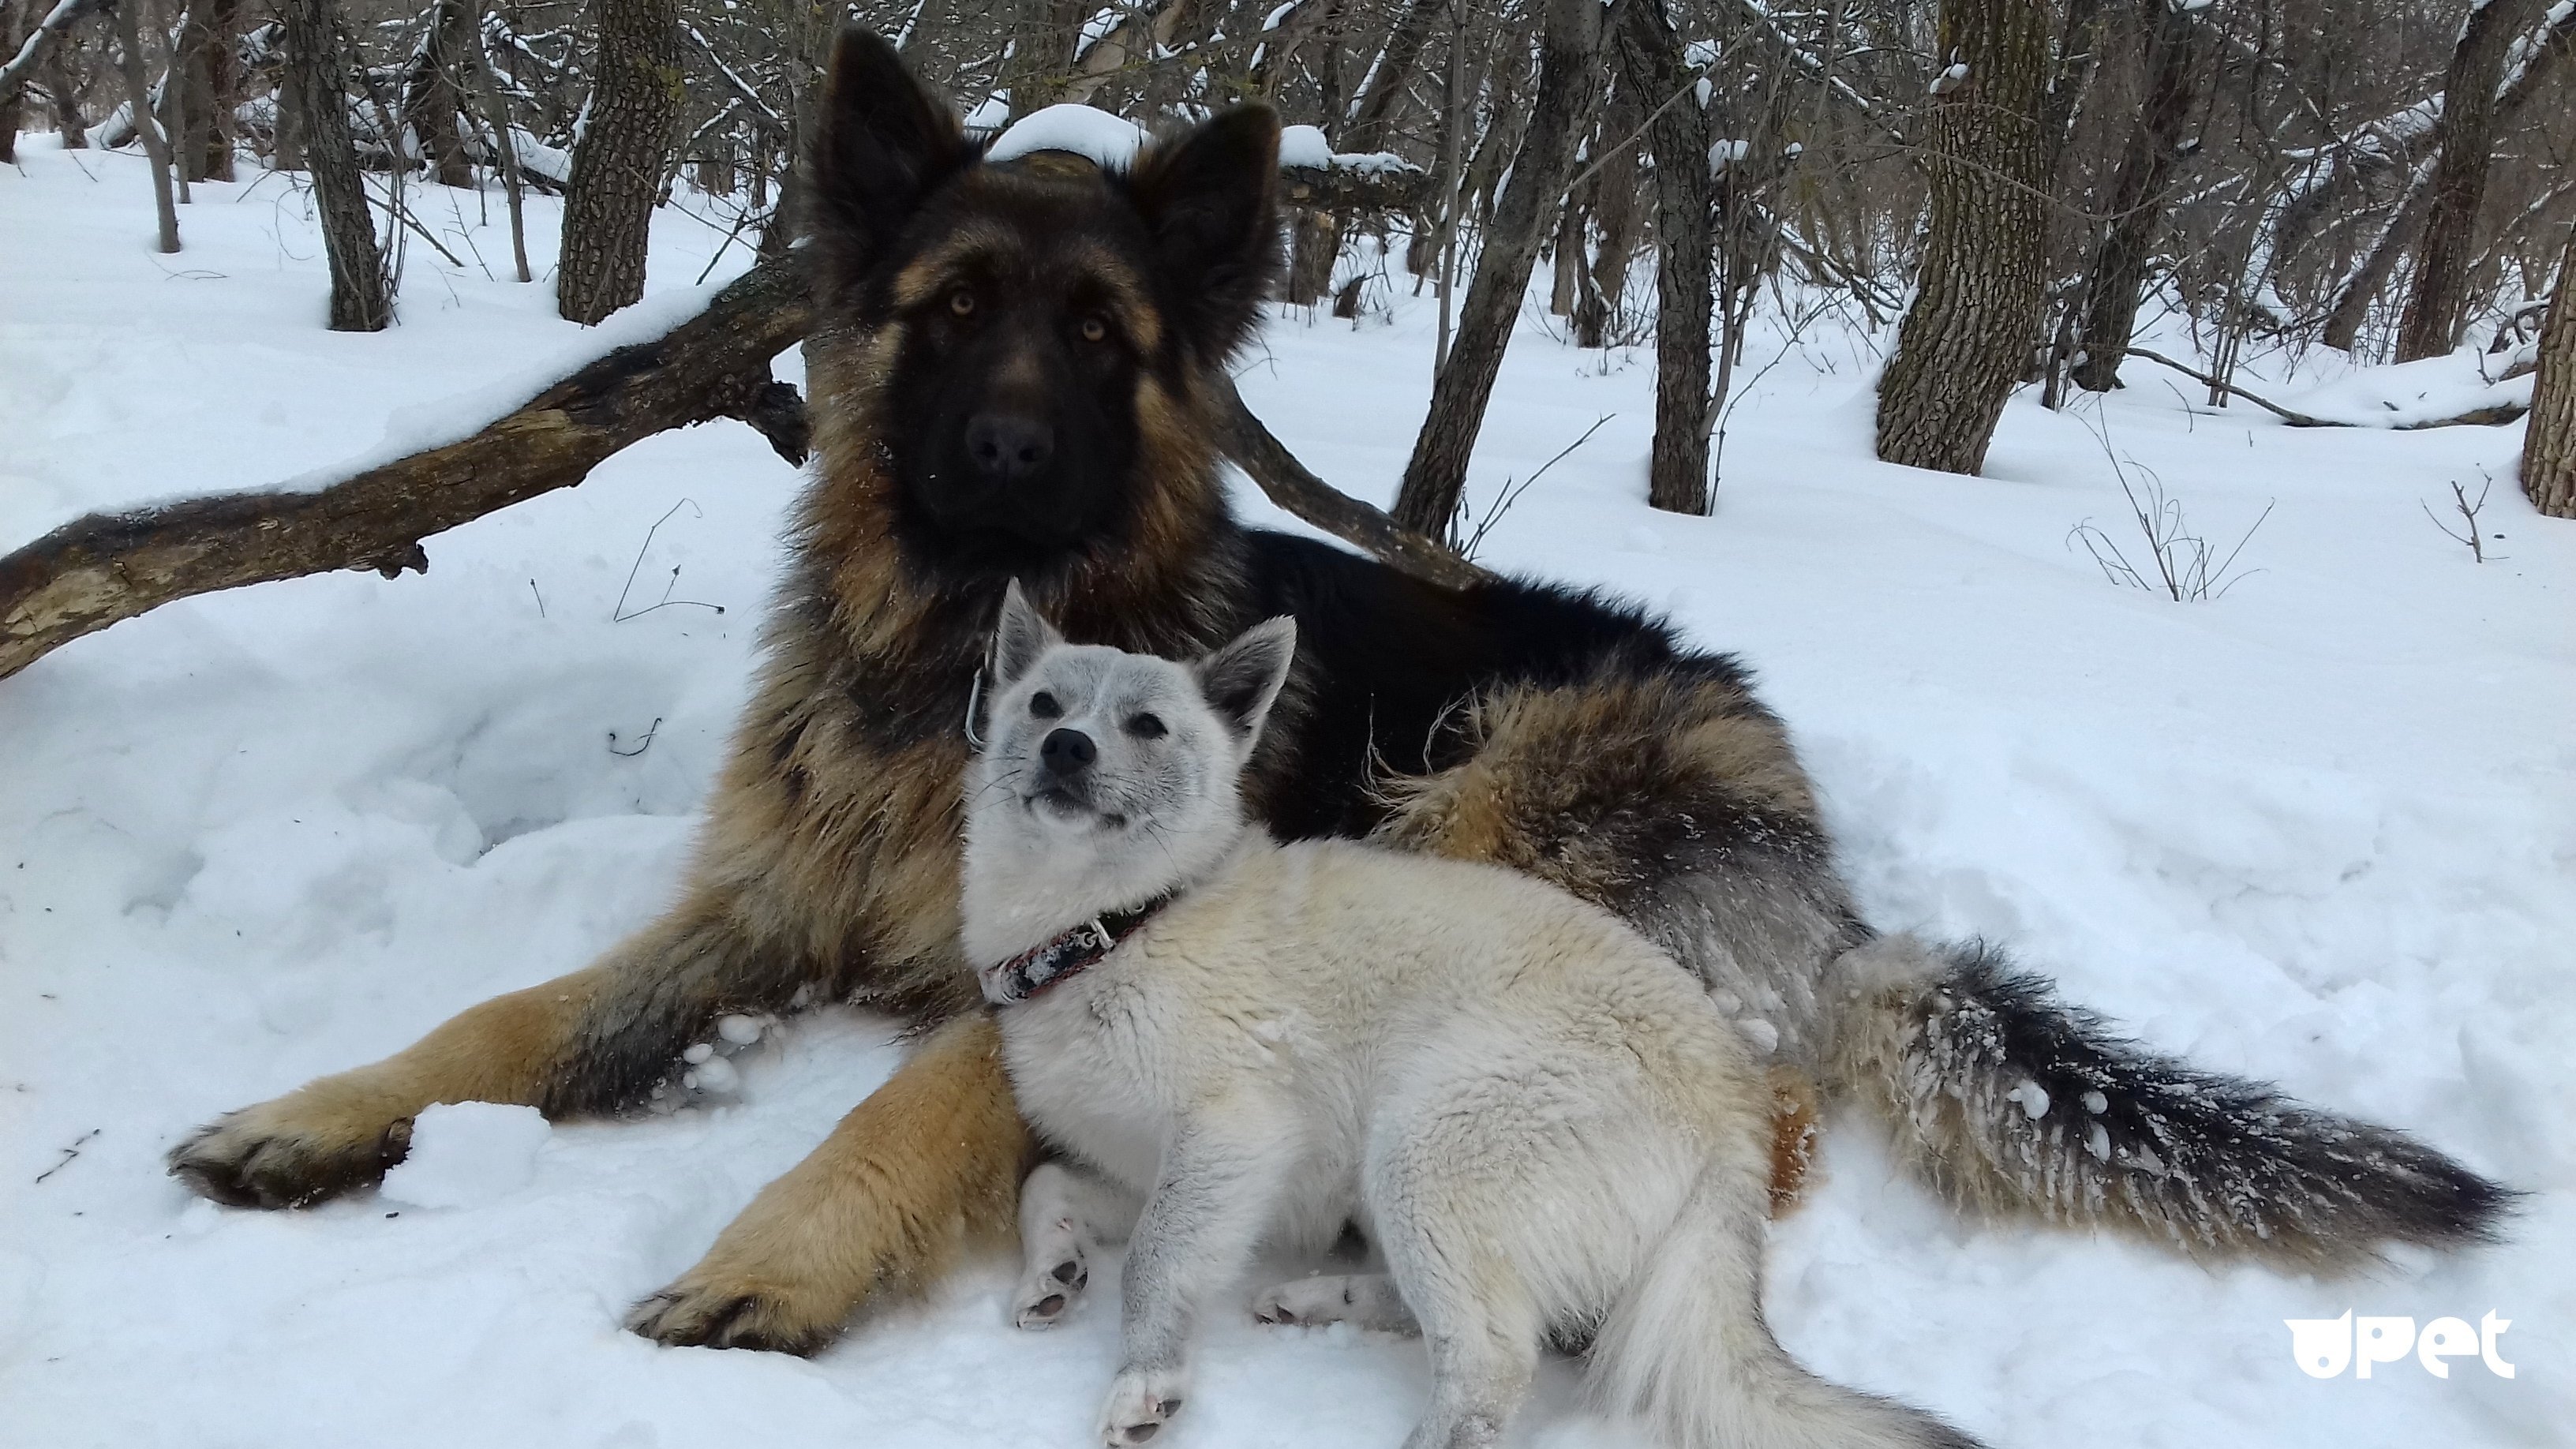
x,y
1550,731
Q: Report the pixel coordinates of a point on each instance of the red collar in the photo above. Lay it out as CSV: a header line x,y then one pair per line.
x,y
1034,971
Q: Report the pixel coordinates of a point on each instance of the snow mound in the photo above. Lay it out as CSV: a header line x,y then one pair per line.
x,y
1304,146
2431,390
1082,130
468,1154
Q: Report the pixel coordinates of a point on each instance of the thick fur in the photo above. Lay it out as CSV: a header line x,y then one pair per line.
x,y
1518,723
1550,1131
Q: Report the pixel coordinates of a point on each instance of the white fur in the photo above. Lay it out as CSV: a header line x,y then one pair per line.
x,y
1541,1121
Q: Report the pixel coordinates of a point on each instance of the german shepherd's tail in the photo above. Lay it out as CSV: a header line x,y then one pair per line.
x,y
1684,1348
2013,1101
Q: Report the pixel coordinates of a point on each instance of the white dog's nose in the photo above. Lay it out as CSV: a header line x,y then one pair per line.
x,y
1067,752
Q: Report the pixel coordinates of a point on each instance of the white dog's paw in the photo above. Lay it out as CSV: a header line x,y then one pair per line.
x,y
1366,1300
1141,1402
1049,1294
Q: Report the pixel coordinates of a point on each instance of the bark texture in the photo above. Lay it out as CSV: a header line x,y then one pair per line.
x,y
1569,90
2438,302
1650,57
2119,270
360,297
617,164
1966,340
2549,447
92,573
210,72
434,92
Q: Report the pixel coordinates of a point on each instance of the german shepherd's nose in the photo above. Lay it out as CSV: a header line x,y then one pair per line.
x,y
1007,447
1067,753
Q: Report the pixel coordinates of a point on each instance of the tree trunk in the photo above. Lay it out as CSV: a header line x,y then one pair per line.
x,y
200,90
434,95
1568,89
1966,339
1650,57
1393,72
64,87
617,163
2465,137
1315,240
2549,445
312,42
2119,269
14,31
138,94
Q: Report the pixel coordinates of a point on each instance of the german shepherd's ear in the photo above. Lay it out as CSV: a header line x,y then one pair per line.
x,y
1207,198
1023,636
1243,679
884,144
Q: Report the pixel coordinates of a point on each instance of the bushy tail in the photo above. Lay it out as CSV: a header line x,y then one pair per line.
x,y
1685,1349
2012,1101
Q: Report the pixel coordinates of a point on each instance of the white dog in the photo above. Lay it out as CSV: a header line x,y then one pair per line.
x,y
1544,1125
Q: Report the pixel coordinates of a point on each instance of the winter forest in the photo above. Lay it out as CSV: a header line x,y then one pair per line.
x,y
2130,443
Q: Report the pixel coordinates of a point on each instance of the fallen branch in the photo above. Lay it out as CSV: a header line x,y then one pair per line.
x,y
2492,415
1291,486
1350,188
101,569
2294,419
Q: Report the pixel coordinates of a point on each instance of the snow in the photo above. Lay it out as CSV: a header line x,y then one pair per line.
x,y
2319,832
1304,146
468,1155
2430,390
1082,130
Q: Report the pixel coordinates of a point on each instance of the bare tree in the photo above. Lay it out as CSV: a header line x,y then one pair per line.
x,y
361,296
1966,340
1651,58
617,165
2174,43
2549,447
2465,135
1569,87
434,91
138,96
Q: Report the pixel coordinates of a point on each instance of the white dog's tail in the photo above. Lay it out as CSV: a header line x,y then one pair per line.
x,y
1685,1349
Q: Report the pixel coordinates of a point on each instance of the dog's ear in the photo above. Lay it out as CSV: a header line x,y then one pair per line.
x,y
1208,199
884,144
1024,635
1243,679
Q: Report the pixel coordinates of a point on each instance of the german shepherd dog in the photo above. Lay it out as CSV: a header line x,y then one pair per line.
x,y
1011,380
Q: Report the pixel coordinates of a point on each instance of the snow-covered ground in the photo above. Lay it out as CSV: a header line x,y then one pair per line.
x,y
2322,830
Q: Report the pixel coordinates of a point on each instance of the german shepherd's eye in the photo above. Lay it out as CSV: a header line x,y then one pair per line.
x,y
1146,727
1044,706
961,302
1095,330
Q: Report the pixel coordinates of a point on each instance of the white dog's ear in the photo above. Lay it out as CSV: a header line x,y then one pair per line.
x,y
1244,678
1024,635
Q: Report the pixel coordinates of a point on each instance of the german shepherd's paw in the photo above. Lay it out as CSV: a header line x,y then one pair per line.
x,y
702,1311
292,1152
1049,1293
1141,1402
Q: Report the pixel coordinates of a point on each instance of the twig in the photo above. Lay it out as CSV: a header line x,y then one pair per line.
x,y
2469,513
69,1153
618,615
1510,495
639,749
2293,418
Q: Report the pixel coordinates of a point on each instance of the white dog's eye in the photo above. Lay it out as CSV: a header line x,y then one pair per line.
x,y
1146,727
1043,705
